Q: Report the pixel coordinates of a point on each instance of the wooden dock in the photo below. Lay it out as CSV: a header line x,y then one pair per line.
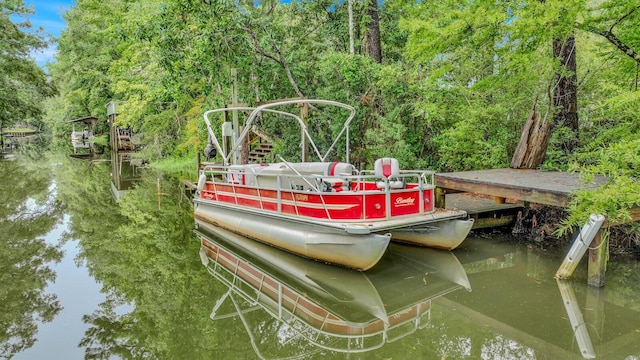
x,y
532,186
526,186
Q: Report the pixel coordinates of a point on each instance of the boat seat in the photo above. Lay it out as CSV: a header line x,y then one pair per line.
x,y
244,174
393,184
389,170
334,184
335,178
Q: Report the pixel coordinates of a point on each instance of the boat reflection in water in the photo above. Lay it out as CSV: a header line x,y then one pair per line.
x,y
324,307
125,172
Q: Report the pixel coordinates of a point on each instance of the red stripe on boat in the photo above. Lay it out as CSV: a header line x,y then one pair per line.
x,y
332,168
386,170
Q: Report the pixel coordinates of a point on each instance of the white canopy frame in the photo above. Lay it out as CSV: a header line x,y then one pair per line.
x,y
238,140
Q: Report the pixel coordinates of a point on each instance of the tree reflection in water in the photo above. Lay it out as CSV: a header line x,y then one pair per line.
x,y
143,252
28,211
159,298
145,256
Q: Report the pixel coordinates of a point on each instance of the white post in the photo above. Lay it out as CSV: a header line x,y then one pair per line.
x,y
236,126
580,246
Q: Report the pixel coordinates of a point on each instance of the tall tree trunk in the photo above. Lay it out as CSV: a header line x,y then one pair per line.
x,y
565,92
373,32
351,40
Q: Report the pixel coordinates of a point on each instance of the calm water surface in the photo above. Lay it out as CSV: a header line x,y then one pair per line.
x,y
86,276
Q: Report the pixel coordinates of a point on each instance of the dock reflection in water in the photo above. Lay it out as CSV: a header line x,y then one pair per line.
x,y
125,172
324,307
519,311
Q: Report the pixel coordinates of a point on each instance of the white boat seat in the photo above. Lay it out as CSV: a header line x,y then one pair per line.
x,y
244,174
335,184
339,169
386,168
393,184
389,170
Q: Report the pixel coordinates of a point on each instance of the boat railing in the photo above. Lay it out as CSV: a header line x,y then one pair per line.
x,y
298,185
422,310
423,177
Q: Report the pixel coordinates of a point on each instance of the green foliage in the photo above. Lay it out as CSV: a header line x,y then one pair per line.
x,y
466,147
184,167
27,212
453,92
477,76
609,112
101,140
85,52
23,84
620,162
620,18
389,133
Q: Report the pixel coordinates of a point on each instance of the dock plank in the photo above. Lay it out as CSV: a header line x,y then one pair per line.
x,y
485,211
536,186
474,204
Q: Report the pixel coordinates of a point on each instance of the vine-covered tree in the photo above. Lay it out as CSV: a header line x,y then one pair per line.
x,y
374,48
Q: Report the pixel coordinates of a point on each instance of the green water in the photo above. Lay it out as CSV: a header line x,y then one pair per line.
x,y
84,276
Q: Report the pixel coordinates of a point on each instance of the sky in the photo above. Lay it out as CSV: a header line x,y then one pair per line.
x,y
49,16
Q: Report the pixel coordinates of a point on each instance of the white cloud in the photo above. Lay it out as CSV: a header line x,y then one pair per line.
x,y
44,55
48,15
53,27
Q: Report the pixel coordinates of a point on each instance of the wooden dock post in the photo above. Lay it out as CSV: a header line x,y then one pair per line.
x,y
440,198
589,232
598,256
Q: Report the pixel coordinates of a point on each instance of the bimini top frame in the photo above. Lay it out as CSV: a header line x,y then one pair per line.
x,y
238,140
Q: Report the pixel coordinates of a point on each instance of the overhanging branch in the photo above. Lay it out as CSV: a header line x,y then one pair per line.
x,y
623,17
613,39
278,57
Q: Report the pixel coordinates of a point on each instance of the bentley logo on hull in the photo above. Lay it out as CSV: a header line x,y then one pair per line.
x,y
404,201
